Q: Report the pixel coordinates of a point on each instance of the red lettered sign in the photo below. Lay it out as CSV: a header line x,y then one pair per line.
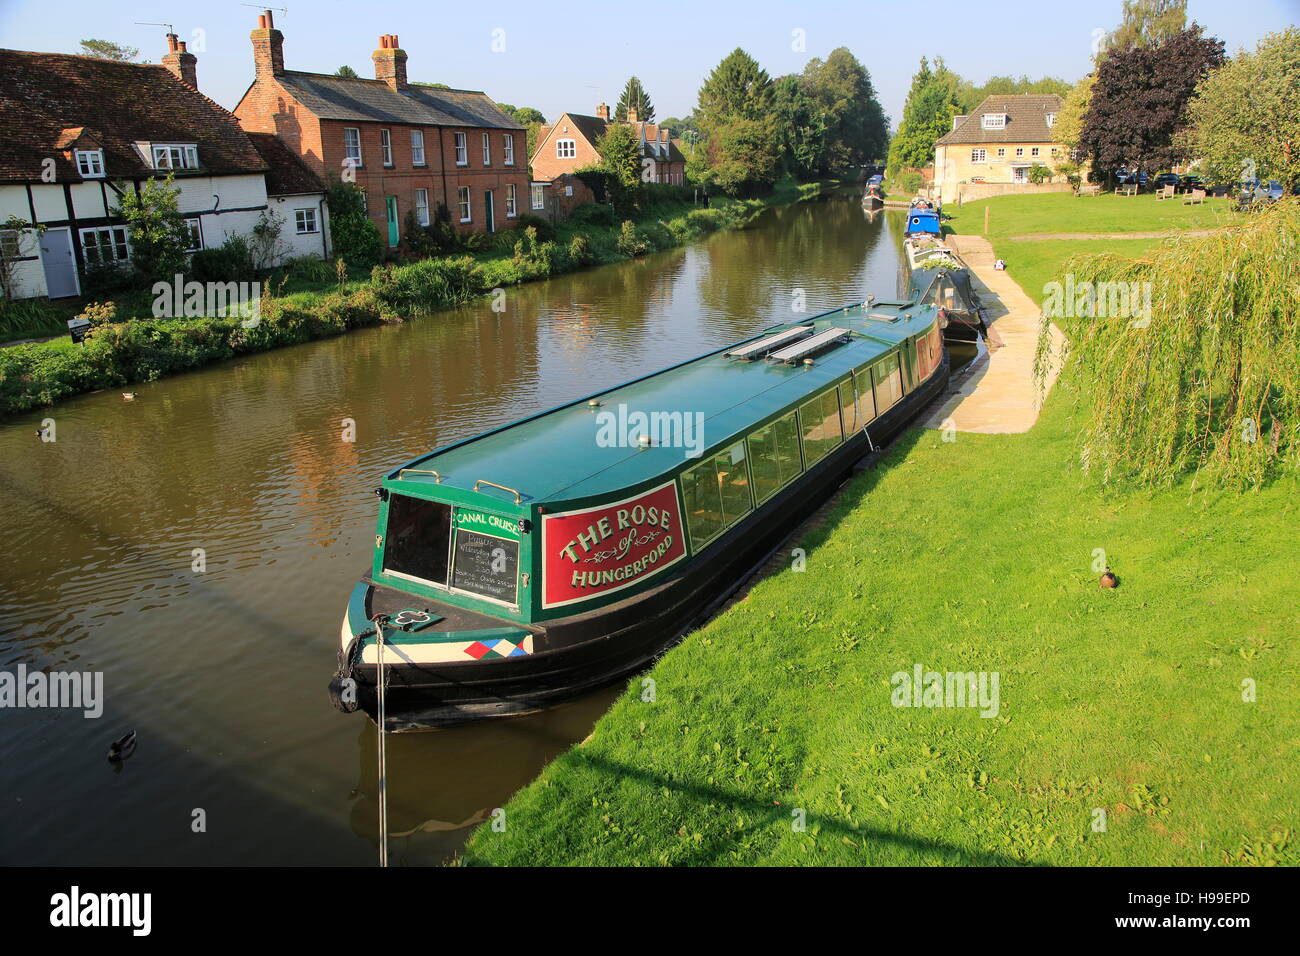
x,y
600,550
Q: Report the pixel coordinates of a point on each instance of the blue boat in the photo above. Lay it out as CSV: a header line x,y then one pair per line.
x,y
922,220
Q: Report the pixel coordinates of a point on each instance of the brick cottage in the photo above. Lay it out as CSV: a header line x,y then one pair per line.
x,y
412,146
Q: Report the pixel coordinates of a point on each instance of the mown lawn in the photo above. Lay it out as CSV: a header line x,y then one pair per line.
x,y
1063,212
975,555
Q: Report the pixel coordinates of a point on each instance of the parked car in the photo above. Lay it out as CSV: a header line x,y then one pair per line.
x,y
1188,183
1165,179
1126,177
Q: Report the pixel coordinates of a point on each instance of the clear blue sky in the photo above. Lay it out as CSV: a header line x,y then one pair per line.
x,y
569,55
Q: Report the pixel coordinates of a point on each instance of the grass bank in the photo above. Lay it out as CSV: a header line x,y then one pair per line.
x,y
1122,735
973,555
1048,213
308,302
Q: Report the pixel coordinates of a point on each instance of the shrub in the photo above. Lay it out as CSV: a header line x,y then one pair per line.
x,y
545,230
1039,174
232,261
630,242
594,214
310,269
110,279
355,237
426,285
580,251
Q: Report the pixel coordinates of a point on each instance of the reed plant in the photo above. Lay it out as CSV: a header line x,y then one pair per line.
x,y
1209,382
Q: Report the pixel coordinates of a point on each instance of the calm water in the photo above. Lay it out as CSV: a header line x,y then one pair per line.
x,y
223,673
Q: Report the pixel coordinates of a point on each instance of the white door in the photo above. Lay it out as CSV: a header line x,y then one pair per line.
x,y
60,266
1019,175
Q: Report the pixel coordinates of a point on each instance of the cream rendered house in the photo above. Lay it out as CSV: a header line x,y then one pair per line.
x,y
991,151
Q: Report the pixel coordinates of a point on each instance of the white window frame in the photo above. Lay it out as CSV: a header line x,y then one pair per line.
x,y
112,243
538,197
566,149
352,145
1002,151
979,155
1020,151
90,163
994,120
1033,151
462,149
464,202
487,149
386,146
417,147
304,217
512,207
187,153
194,224
508,158
11,243
422,206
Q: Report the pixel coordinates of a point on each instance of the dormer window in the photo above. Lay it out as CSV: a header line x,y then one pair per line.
x,y
995,120
175,157
90,163
1051,120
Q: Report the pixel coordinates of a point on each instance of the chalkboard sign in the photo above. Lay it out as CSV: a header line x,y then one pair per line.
x,y
485,565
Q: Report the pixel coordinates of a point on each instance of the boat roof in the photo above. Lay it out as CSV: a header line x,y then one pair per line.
x,y
554,456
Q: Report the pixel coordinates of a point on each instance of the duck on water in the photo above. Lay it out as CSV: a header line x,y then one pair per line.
x,y
558,553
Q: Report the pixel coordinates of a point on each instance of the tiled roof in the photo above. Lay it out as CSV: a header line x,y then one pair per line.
x,y
1026,120
286,175
593,128
354,98
46,97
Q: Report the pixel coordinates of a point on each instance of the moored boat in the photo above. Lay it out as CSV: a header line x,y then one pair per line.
x,y
922,219
873,197
934,275
557,553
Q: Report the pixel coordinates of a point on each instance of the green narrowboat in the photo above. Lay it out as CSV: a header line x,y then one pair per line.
x,y
555,554
933,274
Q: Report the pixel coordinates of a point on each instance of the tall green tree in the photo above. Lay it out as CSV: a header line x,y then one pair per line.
x,y
108,50
734,112
620,157
346,71
970,95
1139,101
931,104
857,128
1244,121
802,128
1069,121
634,96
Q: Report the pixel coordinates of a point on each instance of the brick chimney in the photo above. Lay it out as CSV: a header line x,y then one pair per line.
x,y
602,111
390,62
181,62
632,114
268,46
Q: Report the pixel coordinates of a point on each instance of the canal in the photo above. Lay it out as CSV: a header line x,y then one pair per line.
x,y
197,545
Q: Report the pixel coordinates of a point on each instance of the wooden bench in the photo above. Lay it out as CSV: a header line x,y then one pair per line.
x,y
1130,189
1092,190
1166,192
1195,197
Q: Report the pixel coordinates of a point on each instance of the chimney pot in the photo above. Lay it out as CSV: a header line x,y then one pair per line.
x,y
268,46
181,63
390,62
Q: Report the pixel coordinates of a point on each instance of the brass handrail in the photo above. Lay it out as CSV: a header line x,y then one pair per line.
x,y
420,471
483,481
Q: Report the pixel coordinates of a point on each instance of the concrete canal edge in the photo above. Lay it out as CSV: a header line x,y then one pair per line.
x,y
996,394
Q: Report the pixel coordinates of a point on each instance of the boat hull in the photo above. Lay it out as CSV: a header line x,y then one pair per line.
x,y
580,653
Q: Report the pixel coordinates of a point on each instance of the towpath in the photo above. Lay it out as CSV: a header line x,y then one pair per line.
x,y
997,394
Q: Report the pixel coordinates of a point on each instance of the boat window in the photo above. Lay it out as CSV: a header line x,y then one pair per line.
x,y
888,380
849,408
774,457
417,539
820,419
866,399
716,493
